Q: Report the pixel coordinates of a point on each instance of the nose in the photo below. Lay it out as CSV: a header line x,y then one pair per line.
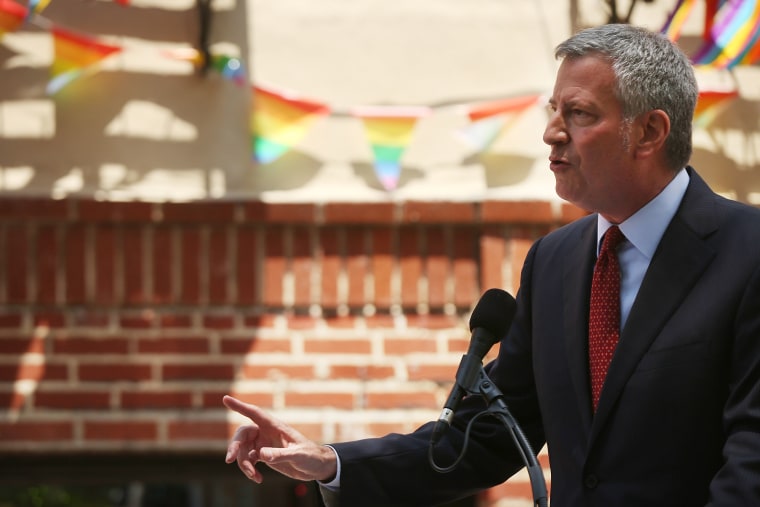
x,y
555,132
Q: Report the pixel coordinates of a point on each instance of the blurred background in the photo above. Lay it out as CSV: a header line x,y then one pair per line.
x,y
294,202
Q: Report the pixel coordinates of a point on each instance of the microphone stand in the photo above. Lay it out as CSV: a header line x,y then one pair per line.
x,y
496,407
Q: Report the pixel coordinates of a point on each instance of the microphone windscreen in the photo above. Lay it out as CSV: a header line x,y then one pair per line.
x,y
494,312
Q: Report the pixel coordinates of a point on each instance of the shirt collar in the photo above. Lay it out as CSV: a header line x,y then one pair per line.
x,y
645,228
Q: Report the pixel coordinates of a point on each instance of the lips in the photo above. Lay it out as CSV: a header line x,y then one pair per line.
x,y
558,163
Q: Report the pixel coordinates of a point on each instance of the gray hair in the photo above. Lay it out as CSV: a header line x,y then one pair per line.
x,y
651,73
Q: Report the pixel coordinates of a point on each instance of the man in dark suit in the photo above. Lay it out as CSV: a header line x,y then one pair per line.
x,y
676,419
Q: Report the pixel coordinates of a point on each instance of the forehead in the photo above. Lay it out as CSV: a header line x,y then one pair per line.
x,y
585,77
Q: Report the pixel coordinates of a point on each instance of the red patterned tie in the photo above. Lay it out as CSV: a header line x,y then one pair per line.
x,y
604,316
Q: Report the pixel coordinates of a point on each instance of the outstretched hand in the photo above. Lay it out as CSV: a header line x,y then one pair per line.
x,y
277,444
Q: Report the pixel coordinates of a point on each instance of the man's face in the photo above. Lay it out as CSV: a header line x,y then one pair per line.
x,y
590,153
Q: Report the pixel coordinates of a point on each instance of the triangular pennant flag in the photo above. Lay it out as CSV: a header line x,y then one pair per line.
x,y
279,120
734,32
489,119
75,54
37,6
12,16
710,104
677,19
389,131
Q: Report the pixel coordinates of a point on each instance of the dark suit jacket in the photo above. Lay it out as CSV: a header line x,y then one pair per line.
x,y
678,423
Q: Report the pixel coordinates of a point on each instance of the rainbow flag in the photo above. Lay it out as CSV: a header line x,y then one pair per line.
x,y
37,6
677,19
279,120
389,131
488,120
12,16
734,32
710,104
75,54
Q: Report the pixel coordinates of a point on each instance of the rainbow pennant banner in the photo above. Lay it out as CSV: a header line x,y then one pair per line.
x,y
280,120
37,6
734,32
389,131
75,54
710,104
488,120
12,16
677,19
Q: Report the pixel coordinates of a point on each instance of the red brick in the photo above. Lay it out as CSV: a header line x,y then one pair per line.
x,y
90,317
280,213
301,322
358,213
433,321
465,252
10,319
219,321
208,371
164,257
22,345
320,400
274,267
114,372
173,345
437,268
274,370
36,431
120,430
361,372
234,345
382,266
65,400
48,319
175,320
156,399
84,346
391,400
17,264
198,430
48,259
404,346
190,283
493,248
134,266
357,266
330,266
76,260
301,266
32,371
247,266
142,319
218,266
105,265
25,208
198,212
528,212
410,266
107,211
328,346
438,212
441,372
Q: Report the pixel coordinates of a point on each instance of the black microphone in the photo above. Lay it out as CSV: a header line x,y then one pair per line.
x,y
489,322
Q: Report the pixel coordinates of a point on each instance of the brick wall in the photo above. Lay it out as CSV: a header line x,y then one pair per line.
x,y
123,324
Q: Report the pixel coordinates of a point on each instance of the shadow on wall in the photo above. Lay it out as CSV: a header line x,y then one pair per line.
x,y
138,120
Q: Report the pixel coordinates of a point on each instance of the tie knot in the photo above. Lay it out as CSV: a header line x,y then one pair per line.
x,y
612,238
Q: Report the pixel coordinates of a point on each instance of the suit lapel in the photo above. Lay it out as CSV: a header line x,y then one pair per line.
x,y
678,262
576,289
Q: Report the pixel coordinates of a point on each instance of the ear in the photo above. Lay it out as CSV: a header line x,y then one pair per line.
x,y
654,127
